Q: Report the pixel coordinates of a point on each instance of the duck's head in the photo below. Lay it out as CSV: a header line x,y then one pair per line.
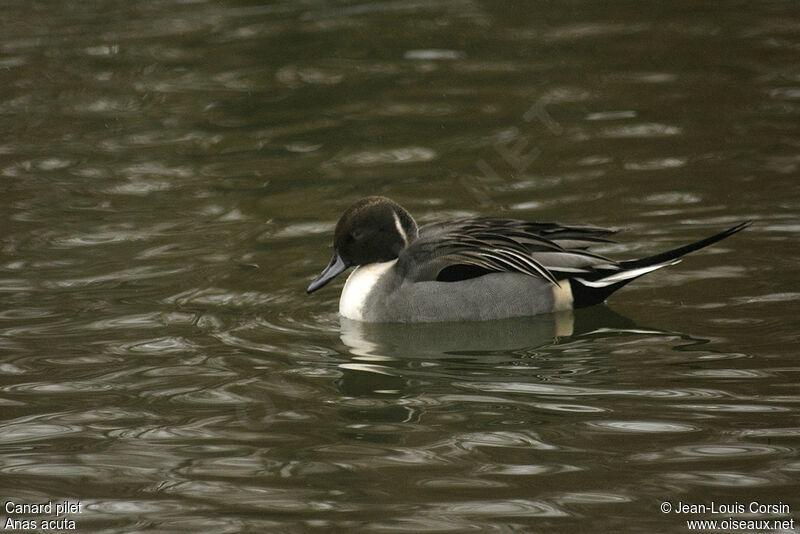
x,y
372,230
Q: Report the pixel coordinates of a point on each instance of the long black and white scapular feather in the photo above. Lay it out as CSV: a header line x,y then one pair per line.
x,y
467,248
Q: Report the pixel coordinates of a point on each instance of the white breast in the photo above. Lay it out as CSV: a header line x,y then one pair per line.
x,y
358,287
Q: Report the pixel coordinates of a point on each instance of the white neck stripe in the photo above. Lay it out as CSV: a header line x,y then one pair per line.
x,y
399,227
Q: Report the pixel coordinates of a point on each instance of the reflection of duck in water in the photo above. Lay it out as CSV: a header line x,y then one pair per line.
x,y
377,342
392,357
474,269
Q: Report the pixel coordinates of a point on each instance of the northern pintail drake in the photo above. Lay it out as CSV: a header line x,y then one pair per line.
x,y
474,269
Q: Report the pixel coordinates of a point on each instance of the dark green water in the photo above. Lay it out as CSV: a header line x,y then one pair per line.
x,y
171,173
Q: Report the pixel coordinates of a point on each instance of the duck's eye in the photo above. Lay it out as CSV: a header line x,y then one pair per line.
x,y
355,235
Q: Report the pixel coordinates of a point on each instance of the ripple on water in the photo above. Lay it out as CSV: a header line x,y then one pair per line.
x,y
501,508
771,297
160,345
431,54
201,522
302,230
284,322
732,408
143,320
226,298
27,313
125,275
297,75
526,440
640,131
187,370
593,498
212,397
168,433
112,233
15,285
526,470
729,373
655,164
721,479
412,154
642,427
138,507
569,407
49,469
788,432
52,388
54,328
423,521
679,198
537,388
34,431
227,466
84,359
713,452
362,456
460,483
264,499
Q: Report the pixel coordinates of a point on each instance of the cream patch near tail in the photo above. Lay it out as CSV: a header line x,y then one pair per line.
x,y
562,296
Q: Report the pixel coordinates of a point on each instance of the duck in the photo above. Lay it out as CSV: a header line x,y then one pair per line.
x,y
474,268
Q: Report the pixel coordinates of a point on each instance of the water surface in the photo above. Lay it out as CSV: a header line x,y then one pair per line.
x,y
171,174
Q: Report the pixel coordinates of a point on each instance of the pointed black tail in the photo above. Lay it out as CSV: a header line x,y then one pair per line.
x,y
598,286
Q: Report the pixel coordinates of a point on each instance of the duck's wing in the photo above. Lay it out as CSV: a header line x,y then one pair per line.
x,y
466,248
